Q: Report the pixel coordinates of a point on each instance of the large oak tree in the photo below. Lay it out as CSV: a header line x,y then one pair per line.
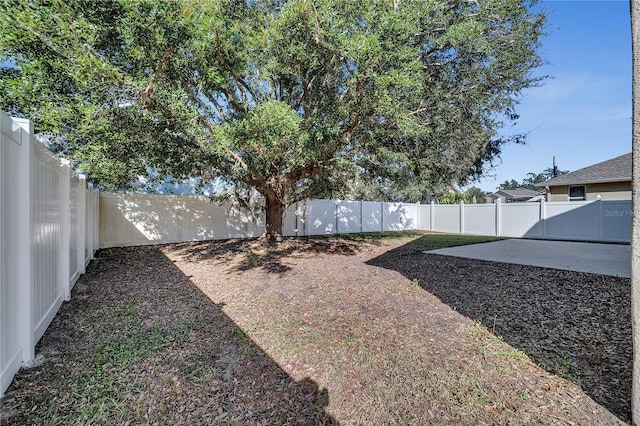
x,y
290,98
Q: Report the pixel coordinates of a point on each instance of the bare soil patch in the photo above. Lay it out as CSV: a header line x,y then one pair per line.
x,y
325,331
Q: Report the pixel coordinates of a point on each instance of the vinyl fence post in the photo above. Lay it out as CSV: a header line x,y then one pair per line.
x,y
90,217
543,217
300,218
64,275
432,216
462,217
599,224
82,217
382,216
361,217
24,228
303,218
295,229
498,217
96,223
418,216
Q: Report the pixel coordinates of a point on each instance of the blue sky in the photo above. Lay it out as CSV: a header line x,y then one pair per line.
x,y
583,114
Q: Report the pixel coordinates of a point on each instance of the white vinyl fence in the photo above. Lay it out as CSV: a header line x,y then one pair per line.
x,y
606,221
48,234
143,219
138,219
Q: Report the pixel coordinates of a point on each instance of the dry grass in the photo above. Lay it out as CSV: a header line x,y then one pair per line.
x,y
312,331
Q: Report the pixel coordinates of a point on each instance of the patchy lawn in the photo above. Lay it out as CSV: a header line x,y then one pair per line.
x,y
355,330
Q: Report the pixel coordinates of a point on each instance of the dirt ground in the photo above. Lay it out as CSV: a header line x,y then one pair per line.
x,y
327,331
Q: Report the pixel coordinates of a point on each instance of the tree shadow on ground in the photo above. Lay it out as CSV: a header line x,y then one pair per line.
x,y
270,257
575,325
140,343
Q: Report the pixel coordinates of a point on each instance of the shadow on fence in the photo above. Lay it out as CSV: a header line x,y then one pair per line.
x,y
146,219
143,219
139,342
607,221
577,329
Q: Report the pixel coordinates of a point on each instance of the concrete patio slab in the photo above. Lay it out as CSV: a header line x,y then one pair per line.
x,y
605,259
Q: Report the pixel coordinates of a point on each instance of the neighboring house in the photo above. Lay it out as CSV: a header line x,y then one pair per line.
x,y
611,180
512,195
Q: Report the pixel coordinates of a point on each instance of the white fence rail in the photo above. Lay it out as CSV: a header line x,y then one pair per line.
x,y
48,226
138,219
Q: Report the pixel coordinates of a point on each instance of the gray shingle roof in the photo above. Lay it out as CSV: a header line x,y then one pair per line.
x,y
615,170
515,193
518,192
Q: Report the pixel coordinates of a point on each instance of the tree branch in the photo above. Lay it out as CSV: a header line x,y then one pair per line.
x,y
145,95
232,100
219,108
247,88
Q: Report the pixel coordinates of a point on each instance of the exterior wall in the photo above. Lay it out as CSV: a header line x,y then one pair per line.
x,y
607,191
492,199
558,193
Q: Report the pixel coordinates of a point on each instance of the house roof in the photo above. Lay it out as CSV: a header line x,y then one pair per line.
x,y
615,170
516,193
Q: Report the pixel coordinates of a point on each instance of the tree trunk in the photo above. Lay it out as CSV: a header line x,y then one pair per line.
x,y
635,222
273,227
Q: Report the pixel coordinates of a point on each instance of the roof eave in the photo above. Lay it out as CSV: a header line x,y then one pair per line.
x,y
588,182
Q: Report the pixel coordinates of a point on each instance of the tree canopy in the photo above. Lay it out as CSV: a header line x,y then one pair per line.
x,y
532,179
290,98
472,195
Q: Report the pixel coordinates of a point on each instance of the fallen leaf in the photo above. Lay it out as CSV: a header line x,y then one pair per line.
x,y
492,409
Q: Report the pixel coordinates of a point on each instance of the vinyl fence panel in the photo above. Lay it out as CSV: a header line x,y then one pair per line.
x,y
293,220
45,240
425,217
573,220
14,269
399,216
520,220
74,266
42,234
321,217
144,219
615,221
371,216
89,224
349,216
480,219
201,219
446,218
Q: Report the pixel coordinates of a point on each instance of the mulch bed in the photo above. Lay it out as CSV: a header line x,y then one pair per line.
x,y
327,331
576,325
